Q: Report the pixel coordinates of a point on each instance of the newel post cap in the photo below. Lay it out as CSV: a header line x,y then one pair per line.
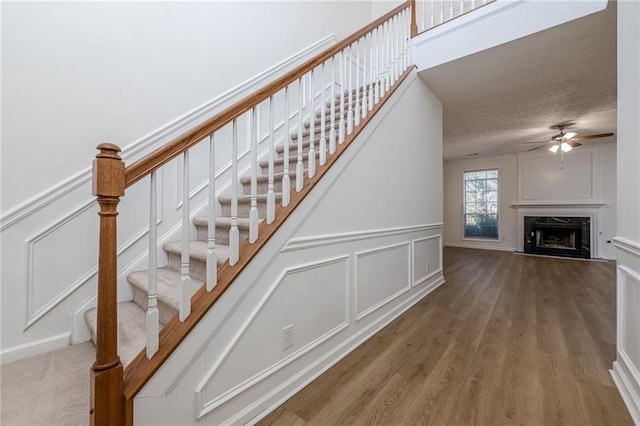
x,y
108,172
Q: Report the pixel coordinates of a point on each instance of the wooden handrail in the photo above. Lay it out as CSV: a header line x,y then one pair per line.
x,y
141,168
112,387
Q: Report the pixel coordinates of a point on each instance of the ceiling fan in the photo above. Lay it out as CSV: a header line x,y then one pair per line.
x,y
565,142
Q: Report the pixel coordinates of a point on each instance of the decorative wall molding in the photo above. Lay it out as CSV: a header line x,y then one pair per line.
x,y
329,239
31,206
628,246
360,314
32,317
203,407
255,412
558,205
417,281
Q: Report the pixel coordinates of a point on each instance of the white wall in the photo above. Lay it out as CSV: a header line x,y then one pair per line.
x,y
78,73
351,257
133,73
535,181
626,368
380,7
507,195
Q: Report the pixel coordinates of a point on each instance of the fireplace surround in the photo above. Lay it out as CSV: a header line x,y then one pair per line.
x,y
558,236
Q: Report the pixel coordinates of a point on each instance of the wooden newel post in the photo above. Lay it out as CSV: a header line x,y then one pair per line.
x,y
414,25
107,371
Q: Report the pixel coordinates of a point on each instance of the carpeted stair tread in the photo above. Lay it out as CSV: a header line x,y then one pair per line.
x,y
261,198
132,329
168,288
198,250
279,161
221,222
246,180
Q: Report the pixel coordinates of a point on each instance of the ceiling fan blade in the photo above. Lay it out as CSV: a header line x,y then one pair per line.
x,y
526,143
573,144
542,146
586,137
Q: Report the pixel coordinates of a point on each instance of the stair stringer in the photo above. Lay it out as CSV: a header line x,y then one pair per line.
x,y
339,269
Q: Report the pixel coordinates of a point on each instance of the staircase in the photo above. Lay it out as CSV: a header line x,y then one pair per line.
x,y
132,314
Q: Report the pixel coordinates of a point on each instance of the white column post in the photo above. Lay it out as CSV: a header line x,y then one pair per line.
x,y
153,317
286,180
185,279
234,233
271,195
212,258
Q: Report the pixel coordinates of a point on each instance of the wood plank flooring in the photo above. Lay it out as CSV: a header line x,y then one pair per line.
x,y
508,339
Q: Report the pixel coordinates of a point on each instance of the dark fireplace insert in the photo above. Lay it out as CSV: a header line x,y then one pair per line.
x,y
558,236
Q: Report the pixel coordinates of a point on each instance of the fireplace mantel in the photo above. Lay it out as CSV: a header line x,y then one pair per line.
x,y
558,206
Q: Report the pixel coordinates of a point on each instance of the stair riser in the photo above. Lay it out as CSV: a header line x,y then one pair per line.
x,y
197,268
263,187
279,167
245,207
222,234
140,297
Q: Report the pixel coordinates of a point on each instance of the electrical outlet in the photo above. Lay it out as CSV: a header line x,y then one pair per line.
x,y
427,266
287,337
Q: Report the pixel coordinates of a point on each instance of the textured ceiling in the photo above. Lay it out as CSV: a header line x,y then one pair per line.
x,y
513,93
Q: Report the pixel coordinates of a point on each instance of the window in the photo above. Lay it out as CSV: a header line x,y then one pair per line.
x,y
481,204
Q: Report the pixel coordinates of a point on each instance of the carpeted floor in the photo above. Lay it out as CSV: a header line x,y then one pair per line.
x,y
49,389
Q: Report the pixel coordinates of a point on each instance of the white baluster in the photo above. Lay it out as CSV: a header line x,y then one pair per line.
x,y
461,7
396,47
311,158
271,194
473,4
234,233
253,209
185,279
441,11
403,41
376,46
356,110
407,43
341,125
332,111
370,90
323,123
286,180
212,258
423,20
451,9
153,317
388,57
350,91
433,13
365,70
299,165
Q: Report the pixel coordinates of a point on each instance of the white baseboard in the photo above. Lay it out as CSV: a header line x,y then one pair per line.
x,y
320,366
34,348
481,246
627,390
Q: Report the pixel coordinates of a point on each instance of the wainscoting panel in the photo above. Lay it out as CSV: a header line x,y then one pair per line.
x,y
381,276
311,300
543,178
427,258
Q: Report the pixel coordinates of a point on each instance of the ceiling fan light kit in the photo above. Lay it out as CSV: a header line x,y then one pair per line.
x,y
565,142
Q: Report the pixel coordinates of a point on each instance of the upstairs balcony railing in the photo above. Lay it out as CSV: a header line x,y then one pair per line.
x,y
433,13
357,73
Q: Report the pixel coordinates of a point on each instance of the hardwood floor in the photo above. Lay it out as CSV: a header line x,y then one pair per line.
x,y
508,339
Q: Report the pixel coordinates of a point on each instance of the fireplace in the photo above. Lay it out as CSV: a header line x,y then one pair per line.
x,y
558,236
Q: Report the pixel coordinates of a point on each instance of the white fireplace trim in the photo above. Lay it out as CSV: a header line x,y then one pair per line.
x,y
591,211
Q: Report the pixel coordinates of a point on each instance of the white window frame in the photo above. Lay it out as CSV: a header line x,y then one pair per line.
x,y
498,239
